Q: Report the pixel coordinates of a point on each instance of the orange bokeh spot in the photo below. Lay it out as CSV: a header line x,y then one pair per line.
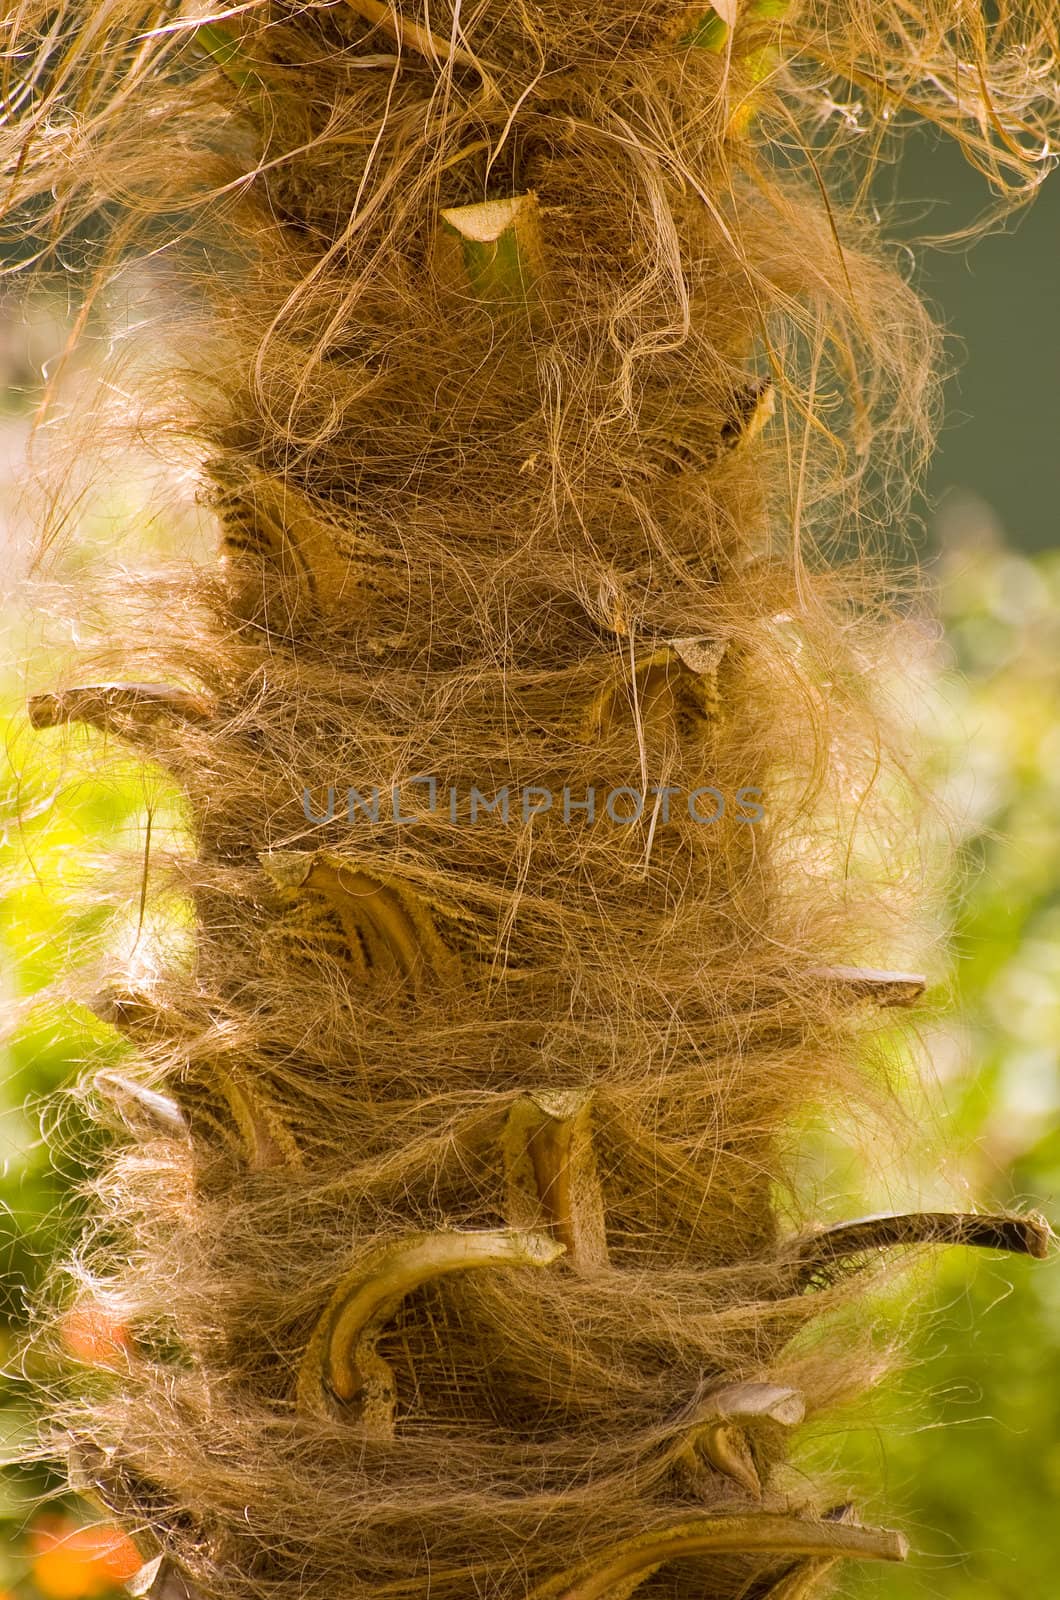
x,y
71,1562
91,1334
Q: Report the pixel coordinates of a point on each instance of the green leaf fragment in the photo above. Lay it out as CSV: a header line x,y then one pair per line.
x,y
223,47
712,31
708,34
494,248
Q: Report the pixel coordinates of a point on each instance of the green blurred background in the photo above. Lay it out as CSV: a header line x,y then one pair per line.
x,y
966,1445
1000,300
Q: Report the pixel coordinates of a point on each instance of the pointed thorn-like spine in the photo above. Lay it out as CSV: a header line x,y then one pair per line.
x,y
617,1570
121,708
551,1174
341,1375
728,1450
156,1113
821,1258
871,984
715,1429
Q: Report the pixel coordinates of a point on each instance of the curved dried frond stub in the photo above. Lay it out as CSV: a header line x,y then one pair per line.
x,y
551,387
618,1571
341,1372
824,1256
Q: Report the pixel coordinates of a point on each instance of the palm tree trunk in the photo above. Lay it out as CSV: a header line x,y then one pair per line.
x,y
548,837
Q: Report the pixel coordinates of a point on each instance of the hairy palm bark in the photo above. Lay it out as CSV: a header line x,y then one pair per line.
x,y
527,734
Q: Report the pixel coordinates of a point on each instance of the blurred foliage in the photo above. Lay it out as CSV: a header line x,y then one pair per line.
x,y
57,815
968,1444
67,805
966,1447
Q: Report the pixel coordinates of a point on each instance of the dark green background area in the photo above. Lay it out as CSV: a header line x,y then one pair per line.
x,y
999,298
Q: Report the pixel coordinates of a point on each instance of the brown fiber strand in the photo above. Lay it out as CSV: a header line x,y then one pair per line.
x,y
586,485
